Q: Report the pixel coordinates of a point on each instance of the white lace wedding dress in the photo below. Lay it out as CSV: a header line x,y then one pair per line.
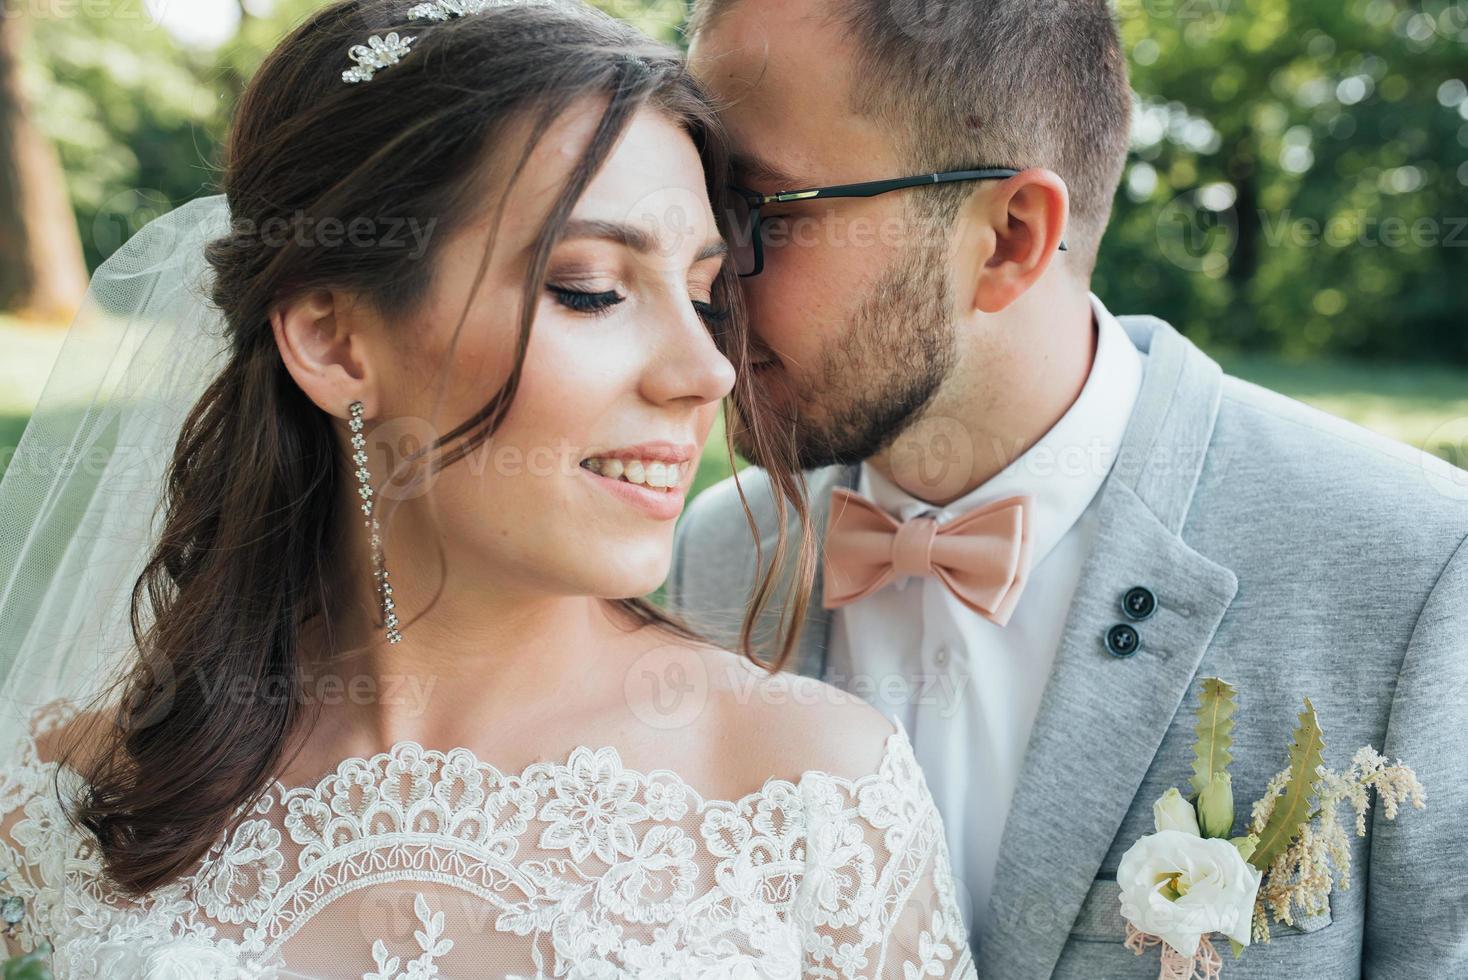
x,y
418,863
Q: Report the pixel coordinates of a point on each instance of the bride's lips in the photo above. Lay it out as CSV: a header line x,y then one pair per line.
x,y
662,504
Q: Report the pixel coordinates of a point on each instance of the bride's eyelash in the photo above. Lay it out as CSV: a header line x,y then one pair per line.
x,y
583,301
711,314
598,302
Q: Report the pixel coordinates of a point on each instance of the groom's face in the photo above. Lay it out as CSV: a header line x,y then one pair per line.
x,y
853,308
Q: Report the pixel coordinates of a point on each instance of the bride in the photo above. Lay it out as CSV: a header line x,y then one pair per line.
x,y
320,657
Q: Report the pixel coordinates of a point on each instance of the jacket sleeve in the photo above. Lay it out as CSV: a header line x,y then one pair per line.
x,y
1417,898
713,566
674,590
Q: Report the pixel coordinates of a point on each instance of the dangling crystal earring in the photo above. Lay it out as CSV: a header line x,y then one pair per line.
x,y
364,490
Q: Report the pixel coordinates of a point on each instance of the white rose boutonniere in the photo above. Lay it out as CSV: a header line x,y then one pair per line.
x,y
1191,879
1179,887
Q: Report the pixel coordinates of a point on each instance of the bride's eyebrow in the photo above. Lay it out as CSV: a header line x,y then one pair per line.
x,y
633,237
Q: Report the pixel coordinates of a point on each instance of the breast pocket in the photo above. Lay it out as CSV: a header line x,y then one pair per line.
x,y
1100,918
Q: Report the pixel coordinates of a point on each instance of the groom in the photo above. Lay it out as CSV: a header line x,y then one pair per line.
x,y
946,371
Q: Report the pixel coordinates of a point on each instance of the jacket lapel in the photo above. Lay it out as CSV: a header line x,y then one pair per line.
x,y
1102,717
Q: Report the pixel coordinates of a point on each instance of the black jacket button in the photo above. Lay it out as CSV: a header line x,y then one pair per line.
x,y
1122,640
1139,603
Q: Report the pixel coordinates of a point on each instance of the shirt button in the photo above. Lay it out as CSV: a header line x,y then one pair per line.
x,y
1122,640
941,656
1139,603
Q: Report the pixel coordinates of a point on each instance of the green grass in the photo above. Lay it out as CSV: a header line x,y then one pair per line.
x,y
1422,405
715,463
26,353
11,427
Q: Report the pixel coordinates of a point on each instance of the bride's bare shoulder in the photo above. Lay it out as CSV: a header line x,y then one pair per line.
x,y
784,724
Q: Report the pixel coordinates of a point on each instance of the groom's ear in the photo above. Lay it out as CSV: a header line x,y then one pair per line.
x,y
1020,223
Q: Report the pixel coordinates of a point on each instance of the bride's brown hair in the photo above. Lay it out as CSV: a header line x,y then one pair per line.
x,y
254,488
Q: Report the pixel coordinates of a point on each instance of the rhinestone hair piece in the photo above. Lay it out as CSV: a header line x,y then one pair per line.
x,y
382,51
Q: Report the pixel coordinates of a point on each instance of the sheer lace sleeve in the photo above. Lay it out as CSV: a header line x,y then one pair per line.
x,y
32,849
878,897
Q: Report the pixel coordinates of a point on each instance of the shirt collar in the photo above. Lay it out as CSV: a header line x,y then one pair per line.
x,y
1064,470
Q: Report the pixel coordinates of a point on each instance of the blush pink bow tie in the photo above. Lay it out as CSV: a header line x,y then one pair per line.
x,y
983,557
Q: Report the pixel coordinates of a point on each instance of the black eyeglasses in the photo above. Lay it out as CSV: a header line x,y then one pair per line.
x,y
748,249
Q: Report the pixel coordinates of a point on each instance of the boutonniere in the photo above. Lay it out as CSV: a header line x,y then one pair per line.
x,y
1193,878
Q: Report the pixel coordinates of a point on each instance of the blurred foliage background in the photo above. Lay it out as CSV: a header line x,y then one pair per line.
x,y
1304,162
1296,201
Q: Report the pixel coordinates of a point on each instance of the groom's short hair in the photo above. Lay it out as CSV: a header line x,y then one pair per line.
x,y
1018,83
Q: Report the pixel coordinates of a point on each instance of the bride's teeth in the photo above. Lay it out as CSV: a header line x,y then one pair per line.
x,y
648,473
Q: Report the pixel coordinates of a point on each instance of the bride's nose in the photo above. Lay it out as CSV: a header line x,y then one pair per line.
x,y
683,362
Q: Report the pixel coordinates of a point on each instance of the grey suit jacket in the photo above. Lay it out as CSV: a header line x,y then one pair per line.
x,y
1293,555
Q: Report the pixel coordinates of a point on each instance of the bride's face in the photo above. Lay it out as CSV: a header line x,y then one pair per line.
x,y
621,375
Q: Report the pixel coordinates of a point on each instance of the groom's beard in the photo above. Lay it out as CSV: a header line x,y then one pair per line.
x,y
873,382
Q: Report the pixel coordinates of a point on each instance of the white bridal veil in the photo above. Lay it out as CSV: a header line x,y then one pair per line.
x,y
79,501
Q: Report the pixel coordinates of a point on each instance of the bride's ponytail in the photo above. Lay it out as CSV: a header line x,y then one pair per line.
x,y
210,703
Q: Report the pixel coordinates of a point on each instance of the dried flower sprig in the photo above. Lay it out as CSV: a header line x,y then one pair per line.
x,y
1300,878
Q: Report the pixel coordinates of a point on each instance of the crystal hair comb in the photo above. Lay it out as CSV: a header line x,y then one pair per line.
x,y
379,52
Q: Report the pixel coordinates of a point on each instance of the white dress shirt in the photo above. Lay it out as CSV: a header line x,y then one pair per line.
x,y
968,690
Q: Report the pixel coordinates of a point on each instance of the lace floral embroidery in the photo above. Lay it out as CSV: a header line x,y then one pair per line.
x,y
582,869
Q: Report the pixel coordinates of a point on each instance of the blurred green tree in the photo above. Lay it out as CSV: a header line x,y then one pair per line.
x,y
138,117
134,115
1298,181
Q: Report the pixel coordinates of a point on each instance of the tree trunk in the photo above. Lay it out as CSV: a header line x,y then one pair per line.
x,y
1242,169
43,272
